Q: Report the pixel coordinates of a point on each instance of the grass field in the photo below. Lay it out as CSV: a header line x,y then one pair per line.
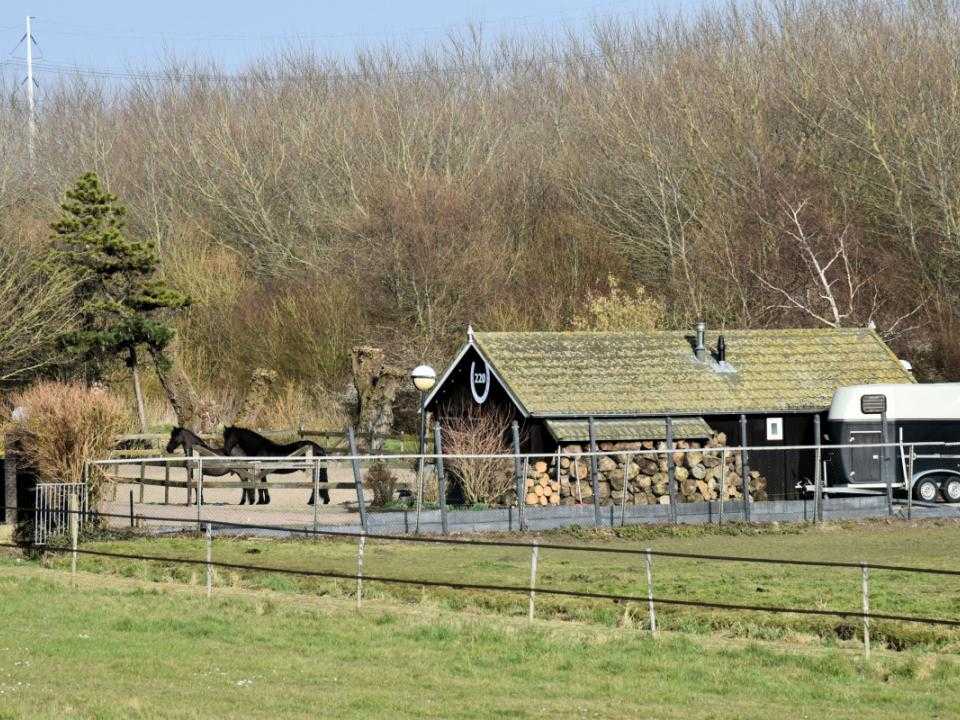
x,y
114,648
931,544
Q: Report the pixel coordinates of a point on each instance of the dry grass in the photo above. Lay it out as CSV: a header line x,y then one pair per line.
x,y
66,424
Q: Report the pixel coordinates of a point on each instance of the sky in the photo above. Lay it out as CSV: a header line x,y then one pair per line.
x,y
139,34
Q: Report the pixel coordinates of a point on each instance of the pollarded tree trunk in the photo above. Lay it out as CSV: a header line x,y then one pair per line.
x,y
377,384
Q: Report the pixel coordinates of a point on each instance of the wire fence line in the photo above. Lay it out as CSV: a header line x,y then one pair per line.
x,y
651,598
442,540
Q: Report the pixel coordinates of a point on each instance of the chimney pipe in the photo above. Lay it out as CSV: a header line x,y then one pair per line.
x,y
700,350
721,349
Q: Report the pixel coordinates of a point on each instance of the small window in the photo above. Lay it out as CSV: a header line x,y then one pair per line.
x,y
774,428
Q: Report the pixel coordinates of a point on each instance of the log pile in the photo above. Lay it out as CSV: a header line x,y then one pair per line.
x,y
700,471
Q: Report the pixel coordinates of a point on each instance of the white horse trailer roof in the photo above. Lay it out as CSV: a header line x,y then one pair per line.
x,y
930,401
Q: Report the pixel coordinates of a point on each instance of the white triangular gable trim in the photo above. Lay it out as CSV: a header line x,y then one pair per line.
x,y
493,371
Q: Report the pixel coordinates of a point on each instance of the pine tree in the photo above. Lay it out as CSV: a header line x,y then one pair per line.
x,y
123,304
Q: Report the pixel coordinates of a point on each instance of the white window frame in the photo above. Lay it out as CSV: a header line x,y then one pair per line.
x,y
775,428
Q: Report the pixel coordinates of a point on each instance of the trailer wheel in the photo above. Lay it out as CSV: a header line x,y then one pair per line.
x,y
926,489
950,489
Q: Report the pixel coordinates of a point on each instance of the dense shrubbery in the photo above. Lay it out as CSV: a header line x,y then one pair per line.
x,y
757,166
65,424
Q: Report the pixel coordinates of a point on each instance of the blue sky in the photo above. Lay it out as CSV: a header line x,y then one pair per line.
x,y
138,34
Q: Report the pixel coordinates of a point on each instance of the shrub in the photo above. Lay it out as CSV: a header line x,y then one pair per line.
x,y
66,424
619,310
383,482
473,432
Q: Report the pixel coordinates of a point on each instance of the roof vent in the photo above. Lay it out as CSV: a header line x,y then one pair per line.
x,y
700,349
721,350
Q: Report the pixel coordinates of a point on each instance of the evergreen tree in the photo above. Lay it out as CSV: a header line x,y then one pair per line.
x,y
123,305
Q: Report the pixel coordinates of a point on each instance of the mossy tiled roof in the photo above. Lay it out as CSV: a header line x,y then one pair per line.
x,y
652,373
632,429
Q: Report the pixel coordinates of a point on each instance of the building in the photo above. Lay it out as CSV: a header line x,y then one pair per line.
x,y
777,381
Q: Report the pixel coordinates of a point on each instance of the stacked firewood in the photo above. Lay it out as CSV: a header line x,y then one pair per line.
x,y
702,470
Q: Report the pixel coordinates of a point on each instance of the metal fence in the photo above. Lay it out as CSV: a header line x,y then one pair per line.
x,y
602,487
54,506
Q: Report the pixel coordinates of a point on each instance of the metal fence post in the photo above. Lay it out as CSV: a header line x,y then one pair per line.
x,y
209,560
745,468
518,479
623,495
865,576
652,610
722,482
817,474
885,462
74,519
199,489
441,478
316,494
671,471
534,554
908,482
594,481
360,545
357,479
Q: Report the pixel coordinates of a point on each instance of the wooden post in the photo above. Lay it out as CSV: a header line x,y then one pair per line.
x,y
143,476
652,610
865,577
594,480
817,474
131,508
166,483
441,478
188,465
576,474
209,560
745,469
518,480
534,554
360,545
74,520
357,479
671,472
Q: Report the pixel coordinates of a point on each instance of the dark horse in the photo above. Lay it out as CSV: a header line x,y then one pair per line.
x,y
188,440
240,441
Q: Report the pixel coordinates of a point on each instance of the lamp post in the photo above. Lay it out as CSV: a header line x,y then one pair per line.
x,y
424,378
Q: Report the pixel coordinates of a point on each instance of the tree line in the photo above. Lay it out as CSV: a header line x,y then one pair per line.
x,y
793,163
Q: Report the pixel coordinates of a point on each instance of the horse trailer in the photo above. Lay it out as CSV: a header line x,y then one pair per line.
x,y
875,426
